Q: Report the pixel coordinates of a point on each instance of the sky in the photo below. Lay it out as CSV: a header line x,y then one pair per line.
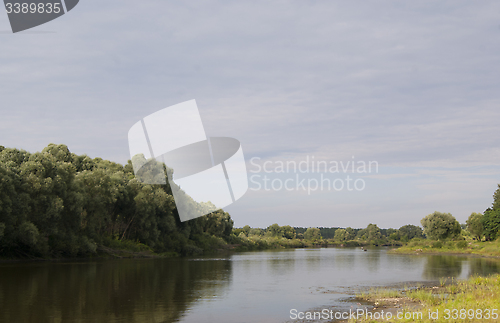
x,y
412,86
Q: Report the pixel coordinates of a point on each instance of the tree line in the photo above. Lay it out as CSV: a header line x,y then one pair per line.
x,y
435,226
55,203
372,234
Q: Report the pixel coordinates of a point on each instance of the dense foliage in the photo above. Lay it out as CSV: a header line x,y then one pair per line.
x,y
55,203
441,226
486,225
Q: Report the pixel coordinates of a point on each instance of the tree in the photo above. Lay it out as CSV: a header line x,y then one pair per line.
x,y
389,232
274,230
410,231
440,226
341,235
246,229
496,199
394,236
373,232
256,232
218,224
55,203
475,225
312,234
351,234
491,223
288,232
362,234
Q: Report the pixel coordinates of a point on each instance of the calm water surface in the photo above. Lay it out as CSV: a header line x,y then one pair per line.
x,y
246,287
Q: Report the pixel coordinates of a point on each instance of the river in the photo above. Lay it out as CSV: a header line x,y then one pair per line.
x,y
242,287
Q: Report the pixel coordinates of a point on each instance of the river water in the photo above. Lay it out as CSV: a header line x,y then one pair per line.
x,y
249,287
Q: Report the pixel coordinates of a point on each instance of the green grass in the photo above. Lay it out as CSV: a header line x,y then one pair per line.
x,y
470,297
488,249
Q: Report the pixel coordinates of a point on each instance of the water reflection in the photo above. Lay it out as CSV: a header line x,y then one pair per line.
x,y
438,266
124,291
483,267
282,264
370,259
344,260
244,287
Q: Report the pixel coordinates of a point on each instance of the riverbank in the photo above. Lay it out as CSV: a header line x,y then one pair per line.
x,y
204,245
255,243
490,249
472,300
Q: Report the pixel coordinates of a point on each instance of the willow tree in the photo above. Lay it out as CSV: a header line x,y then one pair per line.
x,y
439,226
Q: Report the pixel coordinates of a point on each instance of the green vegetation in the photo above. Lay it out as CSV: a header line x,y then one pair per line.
x,y
475,225
473,300
441,226
442,233
276,236
482,248
57,204
445,235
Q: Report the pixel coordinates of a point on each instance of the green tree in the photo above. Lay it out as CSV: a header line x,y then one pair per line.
x,y
373,232
28,234
312,234
409,231
57,203
475,225
351,234
394,236
246,229
491,224
218,224
496,199
362,234
274,230
288,232
341,235
440,226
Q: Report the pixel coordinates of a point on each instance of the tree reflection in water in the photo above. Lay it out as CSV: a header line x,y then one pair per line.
x,y
147,290
438,266
484,267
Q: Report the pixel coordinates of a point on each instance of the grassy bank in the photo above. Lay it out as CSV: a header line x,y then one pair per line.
x,y
474,300
486,249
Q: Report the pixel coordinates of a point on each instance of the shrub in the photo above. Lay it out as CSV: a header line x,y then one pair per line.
x,y
437,244
462,244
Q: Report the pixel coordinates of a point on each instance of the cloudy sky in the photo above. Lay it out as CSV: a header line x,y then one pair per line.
x,y
413,86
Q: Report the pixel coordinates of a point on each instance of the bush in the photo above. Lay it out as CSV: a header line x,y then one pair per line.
x,y
462,244
127,245
437,244
28,234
